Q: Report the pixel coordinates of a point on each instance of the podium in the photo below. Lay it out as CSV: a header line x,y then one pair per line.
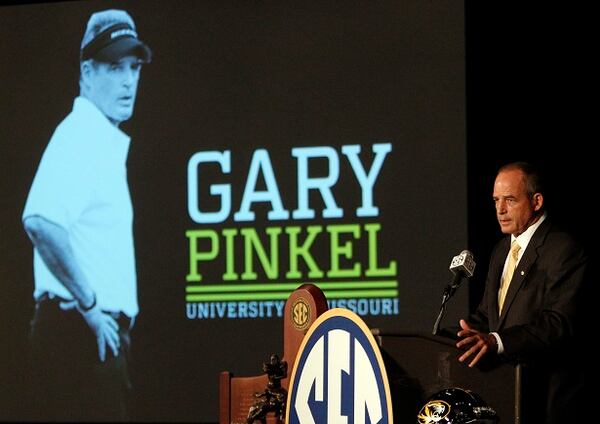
x,y
236,393
418,365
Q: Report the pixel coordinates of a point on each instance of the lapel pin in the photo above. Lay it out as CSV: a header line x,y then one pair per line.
x,y
522,273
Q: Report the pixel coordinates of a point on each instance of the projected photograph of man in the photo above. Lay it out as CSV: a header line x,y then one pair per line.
x,y
79,217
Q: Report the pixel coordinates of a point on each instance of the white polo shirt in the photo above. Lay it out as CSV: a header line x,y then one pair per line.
x,y
81,185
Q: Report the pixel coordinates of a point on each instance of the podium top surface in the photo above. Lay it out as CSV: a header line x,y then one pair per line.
x,y
417,335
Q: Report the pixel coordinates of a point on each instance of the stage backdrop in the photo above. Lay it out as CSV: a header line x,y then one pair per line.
x,y
273,144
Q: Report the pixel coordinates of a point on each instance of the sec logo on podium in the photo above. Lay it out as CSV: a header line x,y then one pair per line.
x,y
339,376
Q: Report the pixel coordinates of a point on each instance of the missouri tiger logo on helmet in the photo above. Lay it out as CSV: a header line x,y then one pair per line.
x,y
433,412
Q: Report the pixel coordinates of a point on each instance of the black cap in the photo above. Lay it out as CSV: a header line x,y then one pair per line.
x,y
111,35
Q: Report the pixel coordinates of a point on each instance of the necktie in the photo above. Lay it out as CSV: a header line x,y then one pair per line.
x,y
510,270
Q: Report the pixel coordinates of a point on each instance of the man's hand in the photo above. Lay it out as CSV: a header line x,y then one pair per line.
x,y
475,342
106,330
53,243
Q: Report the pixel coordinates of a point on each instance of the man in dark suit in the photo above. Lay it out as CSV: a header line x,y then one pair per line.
x,y
531,307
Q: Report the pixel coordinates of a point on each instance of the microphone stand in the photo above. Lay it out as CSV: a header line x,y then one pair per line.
x,y
448,293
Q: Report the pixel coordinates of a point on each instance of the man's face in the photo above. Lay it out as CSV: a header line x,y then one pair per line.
x,y
515,207
113,87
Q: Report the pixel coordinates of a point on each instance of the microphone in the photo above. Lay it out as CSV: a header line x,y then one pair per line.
x,y
462,266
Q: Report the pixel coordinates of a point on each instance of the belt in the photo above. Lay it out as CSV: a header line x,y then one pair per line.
x,y
124,321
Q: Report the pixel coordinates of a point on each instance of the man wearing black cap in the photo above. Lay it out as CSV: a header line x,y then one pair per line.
x,y
79,217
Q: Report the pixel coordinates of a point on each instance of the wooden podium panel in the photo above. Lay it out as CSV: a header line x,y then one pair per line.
x,y
418,365
236,394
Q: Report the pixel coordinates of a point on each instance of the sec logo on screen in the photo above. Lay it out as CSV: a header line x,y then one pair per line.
x,y
339,375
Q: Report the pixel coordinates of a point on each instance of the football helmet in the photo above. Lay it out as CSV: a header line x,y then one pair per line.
x,y
455,405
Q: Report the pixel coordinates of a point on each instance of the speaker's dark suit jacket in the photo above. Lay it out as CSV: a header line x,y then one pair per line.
x,y
541,320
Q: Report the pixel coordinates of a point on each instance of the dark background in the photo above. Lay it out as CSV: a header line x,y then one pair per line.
x,y
529,92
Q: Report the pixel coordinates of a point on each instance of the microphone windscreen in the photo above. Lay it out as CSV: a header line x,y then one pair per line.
x,y
463,263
